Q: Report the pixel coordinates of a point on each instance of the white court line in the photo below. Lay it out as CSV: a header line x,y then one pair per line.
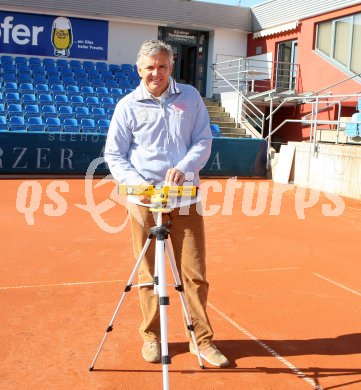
x,y
60,284
272,352
271,269
338,284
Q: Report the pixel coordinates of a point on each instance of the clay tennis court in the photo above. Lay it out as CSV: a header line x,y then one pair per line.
x,y
285,296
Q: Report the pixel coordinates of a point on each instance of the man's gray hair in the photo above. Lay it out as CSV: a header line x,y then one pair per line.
x,y
151,48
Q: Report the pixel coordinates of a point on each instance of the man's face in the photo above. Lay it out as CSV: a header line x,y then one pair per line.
x,y
154,72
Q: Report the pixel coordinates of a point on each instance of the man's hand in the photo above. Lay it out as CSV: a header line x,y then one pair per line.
x,y
174,177
145,198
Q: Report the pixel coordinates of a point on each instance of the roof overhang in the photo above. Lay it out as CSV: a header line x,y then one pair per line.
x,y
276,30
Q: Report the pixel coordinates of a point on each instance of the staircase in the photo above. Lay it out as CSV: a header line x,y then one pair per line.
x,y
223,119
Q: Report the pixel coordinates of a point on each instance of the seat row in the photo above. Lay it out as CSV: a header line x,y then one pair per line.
x,y
53,125
63,63
59,89
61,112
58,100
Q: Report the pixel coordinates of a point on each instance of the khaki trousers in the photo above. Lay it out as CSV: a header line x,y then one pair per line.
x,y
187,236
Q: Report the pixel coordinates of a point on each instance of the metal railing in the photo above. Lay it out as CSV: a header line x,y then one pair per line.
x,y
247,112
250,75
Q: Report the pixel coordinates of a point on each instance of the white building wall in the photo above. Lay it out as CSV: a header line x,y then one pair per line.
x,y
125,39
224,45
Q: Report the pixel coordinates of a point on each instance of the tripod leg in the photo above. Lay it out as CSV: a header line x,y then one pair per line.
x,y
179,288
163,302
126,289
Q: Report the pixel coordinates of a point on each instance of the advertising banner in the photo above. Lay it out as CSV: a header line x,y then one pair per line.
x,y
59,36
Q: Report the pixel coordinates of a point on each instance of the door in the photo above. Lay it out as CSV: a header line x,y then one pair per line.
x,y
184,69
286,66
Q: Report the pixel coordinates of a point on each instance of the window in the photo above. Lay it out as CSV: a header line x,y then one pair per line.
x,y
340,40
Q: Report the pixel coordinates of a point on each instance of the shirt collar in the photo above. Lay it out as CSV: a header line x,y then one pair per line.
x,y
143,94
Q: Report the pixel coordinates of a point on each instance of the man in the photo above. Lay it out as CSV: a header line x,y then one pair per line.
x,y
160,134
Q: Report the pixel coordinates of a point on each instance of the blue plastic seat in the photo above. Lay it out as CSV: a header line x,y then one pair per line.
x,y
6,59
8,68
51,70
71,125
109,111
124,84
61,63
49,61
61,100
68,80
88,126
78,72
65,112
126,67
2,110
107,102
35,124
31,110
111,84
37,69
101,65
66,72
9,77
41,89
75,64
106,75
26,88
21,60
92,101
17,123
45,99
24,78
216,131
39,78
87,90
76,100
72,90
23,69
98,113
12,98
88,65
102,92
82,112
48,111
57,89
53,79
53,125
10,87
34,61
82,80
113,67
14,110
103,126
28,98
3,123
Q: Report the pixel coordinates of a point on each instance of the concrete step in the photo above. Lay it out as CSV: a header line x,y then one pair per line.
x,y
222,119
211,103
215,109
232,130
224,123
219,115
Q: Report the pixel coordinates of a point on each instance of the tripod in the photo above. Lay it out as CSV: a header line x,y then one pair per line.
x,y
160,232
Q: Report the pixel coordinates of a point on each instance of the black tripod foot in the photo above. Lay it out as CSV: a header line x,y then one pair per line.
x,y
91,368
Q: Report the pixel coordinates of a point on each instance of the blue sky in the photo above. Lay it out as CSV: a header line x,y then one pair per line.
x,y
245,3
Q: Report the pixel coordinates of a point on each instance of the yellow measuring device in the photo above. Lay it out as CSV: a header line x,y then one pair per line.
x,y
167,191
158,194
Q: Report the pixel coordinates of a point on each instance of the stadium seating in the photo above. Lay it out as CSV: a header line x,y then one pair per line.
x,y
39,89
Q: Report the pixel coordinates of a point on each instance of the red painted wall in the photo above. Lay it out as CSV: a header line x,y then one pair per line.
x,y
315,72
